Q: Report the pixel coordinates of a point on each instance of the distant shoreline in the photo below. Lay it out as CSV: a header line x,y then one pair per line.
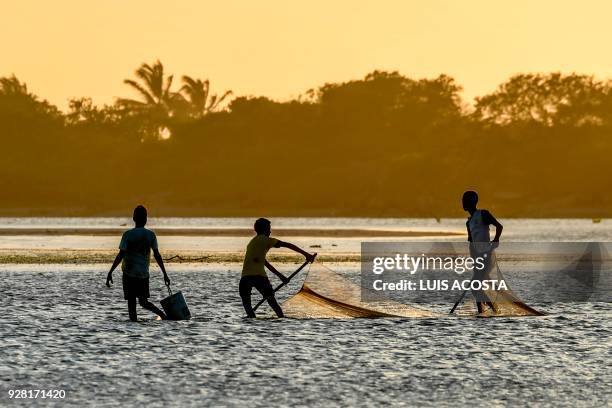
x,y
63,256
230,232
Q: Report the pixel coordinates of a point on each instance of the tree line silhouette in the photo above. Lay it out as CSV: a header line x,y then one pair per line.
x,y
385,145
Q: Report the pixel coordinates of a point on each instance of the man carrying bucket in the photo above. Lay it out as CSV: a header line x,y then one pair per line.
x,y
134,254
253,272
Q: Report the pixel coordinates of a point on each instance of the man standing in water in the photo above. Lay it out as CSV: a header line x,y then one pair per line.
x,y
134,254
253,272
480,242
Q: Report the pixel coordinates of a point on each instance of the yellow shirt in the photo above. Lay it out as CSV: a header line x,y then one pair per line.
x,y
256,255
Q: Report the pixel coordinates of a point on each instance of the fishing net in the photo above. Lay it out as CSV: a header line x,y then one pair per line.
x,y
327,294
498,302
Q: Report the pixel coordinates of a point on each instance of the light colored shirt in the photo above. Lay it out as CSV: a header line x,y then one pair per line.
x,y
479,235
255,258
478,225
137,244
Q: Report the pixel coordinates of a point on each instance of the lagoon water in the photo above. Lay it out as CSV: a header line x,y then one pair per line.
x,y
63,329
518,230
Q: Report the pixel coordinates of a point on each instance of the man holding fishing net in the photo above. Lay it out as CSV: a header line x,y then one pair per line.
x,y
253,272
481,244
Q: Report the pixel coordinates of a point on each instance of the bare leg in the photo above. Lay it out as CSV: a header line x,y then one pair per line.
x,y
265,288
484,300
275,306
132,309
245,295
492,306
144,302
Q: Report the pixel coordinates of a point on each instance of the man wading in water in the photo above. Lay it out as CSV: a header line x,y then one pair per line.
x,y
480,243
253,272
134,254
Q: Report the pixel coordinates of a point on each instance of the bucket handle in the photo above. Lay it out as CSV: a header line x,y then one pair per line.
x,y
169,290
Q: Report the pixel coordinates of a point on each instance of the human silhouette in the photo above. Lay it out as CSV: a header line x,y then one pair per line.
x,y
481,244
134,254
253,272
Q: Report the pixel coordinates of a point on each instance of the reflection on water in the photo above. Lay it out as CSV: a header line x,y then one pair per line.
x,y
62,329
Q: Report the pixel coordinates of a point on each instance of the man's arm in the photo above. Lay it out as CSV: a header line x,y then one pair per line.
x,y
280,276
490,220
309,257
116,262
160,262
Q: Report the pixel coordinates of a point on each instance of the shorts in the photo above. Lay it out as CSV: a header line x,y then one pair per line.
x,y
261,283
135,287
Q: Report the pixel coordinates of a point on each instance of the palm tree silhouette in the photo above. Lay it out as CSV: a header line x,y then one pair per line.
x,y
12,86
197,93
158,101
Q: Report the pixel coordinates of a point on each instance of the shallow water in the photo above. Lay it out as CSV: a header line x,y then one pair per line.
x,y
63,329
518,230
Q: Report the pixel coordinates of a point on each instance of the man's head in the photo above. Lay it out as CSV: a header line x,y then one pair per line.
x,y
140,216
469,200
263,227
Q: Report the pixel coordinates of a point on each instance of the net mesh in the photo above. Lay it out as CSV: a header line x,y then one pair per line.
x,y
327,294
495,303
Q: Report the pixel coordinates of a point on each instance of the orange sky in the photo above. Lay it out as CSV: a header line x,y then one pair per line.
x,y
281,48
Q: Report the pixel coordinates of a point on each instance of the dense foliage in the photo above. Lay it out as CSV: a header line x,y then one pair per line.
x,y
386,145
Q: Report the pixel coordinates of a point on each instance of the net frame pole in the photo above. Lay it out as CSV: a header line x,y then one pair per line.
x,y
282,284
458,301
